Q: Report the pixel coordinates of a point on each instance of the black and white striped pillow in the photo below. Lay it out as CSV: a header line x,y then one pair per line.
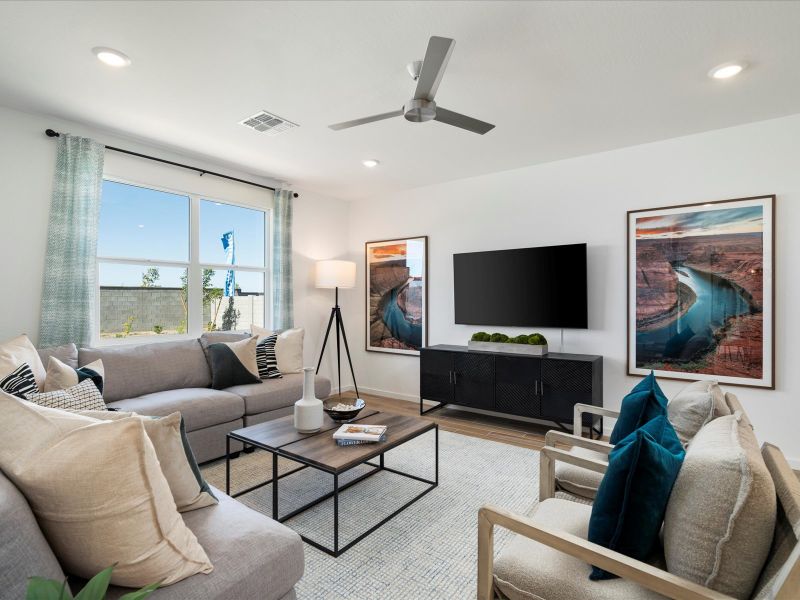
x,y
266,358
20,382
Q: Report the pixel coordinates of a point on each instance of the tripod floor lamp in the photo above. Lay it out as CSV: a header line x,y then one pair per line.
x,y
335,274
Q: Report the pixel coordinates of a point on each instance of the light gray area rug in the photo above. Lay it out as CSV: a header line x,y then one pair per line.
x,y
428,551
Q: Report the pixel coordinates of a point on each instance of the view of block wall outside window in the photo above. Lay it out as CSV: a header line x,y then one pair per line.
x,y
152,243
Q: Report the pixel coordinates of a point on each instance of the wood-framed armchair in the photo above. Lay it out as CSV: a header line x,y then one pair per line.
x,y
555,567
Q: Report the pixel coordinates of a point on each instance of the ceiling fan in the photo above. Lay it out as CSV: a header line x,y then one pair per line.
x,y
428,74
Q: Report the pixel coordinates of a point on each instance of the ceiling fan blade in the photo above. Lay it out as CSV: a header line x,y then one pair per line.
x,y
463,121
436,57
365,120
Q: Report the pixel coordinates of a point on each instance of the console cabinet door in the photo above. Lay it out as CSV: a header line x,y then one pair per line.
x,y
474,380
436,375
564,383
516,385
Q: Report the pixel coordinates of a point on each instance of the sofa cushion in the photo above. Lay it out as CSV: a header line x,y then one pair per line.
x,y
629,506
68,354
528,570
253,556
721,516
84,396
132,371
272,394
694,406
577,480
24,552
61,376
200,407
644,402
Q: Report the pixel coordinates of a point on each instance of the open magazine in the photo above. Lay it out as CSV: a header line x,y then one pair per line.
x,y
359,434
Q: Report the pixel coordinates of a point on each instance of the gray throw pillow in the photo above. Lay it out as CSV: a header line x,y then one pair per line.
x,y
695,405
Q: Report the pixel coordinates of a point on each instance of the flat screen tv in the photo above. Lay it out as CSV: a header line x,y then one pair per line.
x,y
526,287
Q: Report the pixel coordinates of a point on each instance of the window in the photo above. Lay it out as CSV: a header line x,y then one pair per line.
x,y
178,264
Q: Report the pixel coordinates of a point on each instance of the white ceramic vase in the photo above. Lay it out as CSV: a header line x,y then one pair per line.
x,y
308,410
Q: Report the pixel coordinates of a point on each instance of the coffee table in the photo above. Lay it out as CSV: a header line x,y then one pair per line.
x,y
319,451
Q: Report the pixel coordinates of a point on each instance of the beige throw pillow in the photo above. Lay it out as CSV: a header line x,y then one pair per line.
x,y
721,514
694,406
61,376
20,350
188,488
288,347
98,494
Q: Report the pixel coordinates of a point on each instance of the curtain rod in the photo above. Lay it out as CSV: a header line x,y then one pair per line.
x,y
52,133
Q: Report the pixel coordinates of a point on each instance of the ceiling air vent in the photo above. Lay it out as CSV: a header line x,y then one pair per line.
x,y
265,122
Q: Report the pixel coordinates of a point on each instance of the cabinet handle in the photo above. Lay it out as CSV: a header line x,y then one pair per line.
x,y
536,387
450,373
455,377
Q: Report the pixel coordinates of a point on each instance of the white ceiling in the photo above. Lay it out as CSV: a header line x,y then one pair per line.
x,y
558,79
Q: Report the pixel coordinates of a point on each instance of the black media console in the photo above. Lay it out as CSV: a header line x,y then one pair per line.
x,y
540,387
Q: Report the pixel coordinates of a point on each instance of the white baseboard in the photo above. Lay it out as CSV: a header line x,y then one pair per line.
x,y
381,393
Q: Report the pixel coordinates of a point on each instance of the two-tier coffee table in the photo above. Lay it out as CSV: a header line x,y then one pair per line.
x,y
320,451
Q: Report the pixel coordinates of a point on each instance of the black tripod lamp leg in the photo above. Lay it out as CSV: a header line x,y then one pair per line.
x,y
347,350
325,341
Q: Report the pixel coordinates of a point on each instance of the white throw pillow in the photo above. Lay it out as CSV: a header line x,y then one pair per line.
x,y
84,396
288,348
99,495
61,376
17,351
189,489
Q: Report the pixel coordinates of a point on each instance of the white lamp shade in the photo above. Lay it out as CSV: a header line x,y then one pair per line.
x,y
336,273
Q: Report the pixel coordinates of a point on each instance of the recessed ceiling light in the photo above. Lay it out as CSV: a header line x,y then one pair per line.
x,y
141,226
370,162
727,70
111,57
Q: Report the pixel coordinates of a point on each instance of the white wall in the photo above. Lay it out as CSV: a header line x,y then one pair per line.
x,y
27,161
585,200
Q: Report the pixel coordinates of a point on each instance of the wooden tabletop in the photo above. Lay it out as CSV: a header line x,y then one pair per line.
x,y
321,450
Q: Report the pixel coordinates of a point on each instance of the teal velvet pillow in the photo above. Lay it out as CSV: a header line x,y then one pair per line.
x,y
644,402
632,498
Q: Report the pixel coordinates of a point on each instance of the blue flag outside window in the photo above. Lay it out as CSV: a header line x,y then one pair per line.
x,y
229,245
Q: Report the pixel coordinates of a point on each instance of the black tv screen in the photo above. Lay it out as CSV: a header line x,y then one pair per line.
x,y
526,287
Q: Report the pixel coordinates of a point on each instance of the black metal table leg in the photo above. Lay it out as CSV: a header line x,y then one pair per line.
x,y
275,486
336,515
381,461
228,465
436,455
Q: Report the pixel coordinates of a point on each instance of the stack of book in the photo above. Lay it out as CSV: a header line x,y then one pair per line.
x,y
352,434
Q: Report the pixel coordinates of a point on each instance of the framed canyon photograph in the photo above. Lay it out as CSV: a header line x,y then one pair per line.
x,y
701,302
397,295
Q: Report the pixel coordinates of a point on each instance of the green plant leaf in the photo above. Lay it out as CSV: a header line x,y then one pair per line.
x,y
40,588
96,587
142,593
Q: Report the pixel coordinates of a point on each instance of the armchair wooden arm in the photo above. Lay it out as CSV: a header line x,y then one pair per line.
x,y
547,465
642,573
579,409
570,439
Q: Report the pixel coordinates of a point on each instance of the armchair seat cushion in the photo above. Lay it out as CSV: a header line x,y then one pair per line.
x,y
577,480
528,570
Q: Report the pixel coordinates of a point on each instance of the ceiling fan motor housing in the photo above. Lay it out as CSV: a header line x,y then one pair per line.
x,y
419,110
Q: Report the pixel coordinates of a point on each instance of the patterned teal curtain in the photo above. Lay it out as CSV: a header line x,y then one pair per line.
x,y
70,274
282,298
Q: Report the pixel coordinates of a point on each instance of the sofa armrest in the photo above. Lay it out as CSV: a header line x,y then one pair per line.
x,y
547,468
639,572
579,409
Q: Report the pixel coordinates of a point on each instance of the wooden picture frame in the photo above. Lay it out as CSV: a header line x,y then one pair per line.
x,y
701,291
396,277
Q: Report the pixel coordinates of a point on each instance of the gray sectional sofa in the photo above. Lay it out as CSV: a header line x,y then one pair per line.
x,y
254,557
160,378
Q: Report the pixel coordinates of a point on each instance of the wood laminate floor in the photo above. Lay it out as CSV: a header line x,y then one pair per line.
x,y
498,429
